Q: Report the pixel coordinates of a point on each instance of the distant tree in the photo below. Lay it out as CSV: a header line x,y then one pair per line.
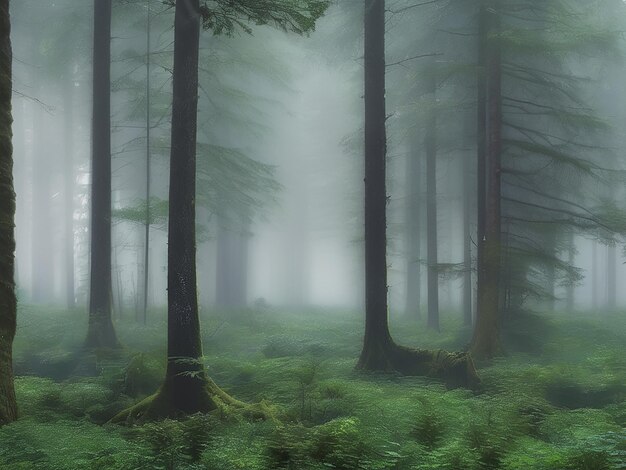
x,y
187,389
100,330
8,302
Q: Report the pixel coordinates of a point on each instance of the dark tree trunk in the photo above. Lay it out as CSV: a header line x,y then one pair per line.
x,y
377,338
485,341
413,232
595,276
101,333
8,303
380,353
186,389
68,185
550,245
481,155
571,258
430,145
146,257
467,242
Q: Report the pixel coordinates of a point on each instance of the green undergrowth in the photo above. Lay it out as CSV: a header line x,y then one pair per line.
x,y
556,402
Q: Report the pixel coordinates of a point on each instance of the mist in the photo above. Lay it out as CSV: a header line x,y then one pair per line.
x,y
355,234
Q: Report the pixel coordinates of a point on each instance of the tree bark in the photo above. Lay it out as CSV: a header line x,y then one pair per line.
x,y
485,342
8,302
430,144
101,333
377,338
379,352
186,389
413,232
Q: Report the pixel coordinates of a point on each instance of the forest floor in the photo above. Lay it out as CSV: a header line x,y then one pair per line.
x,y
556,401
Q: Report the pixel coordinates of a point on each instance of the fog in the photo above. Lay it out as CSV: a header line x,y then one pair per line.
x,y
293,106
309,234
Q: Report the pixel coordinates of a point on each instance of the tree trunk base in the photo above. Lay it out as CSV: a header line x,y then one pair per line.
x,y
101,334
185,396
455,369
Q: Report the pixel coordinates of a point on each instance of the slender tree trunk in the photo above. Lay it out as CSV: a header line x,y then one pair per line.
x,y
8,302
430,144
467,242
146,258
101,332
486,342
595,271
611,276
68,174
413,232
481,155
42,278
550,245
571,258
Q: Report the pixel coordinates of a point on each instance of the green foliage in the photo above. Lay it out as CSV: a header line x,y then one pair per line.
x,y
349,421
298,16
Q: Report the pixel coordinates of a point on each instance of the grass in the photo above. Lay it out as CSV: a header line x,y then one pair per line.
x,y
557,401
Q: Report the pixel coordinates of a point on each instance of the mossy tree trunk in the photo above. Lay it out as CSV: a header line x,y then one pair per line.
x,y
485,341
186,388
101,333
8,303
379,352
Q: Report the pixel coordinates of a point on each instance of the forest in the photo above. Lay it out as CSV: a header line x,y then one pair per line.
x,y
313,234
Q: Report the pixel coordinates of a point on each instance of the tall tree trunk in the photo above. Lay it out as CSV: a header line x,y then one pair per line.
x,y
467,242
146,258
430,144
377,338
413,231
550,245
611,276
595,272
186,389
101,333
571,258
485,341
8,302
42,279
68,184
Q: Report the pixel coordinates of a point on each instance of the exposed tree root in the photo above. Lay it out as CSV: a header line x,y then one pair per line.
x,y
175,400
456,369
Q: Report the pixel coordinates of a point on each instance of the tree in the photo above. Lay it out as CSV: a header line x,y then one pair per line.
x,y
380,352
485,341
100,330
8,301
187,388
430,147
413,231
